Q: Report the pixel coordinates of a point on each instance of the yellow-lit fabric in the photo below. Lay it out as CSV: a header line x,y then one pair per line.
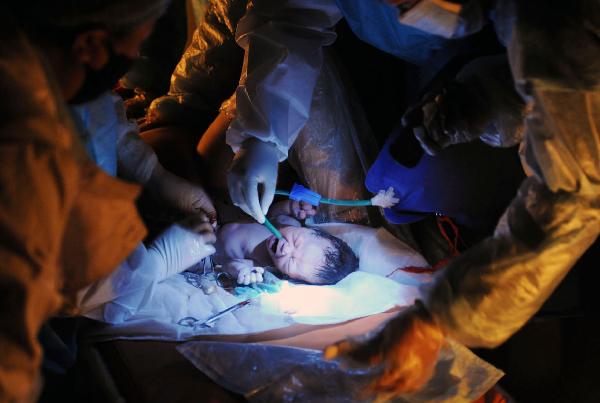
x,y
489,292
63,223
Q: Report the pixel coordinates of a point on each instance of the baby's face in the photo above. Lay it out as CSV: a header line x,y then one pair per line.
x,y
299,254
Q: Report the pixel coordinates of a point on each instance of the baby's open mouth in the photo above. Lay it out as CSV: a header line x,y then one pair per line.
x,y
274,246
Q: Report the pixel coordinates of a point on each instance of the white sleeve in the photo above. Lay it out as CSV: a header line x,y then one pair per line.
x,y
118,296
283,41
136,160
124,292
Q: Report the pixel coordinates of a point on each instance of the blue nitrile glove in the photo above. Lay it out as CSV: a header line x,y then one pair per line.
x,y
255,164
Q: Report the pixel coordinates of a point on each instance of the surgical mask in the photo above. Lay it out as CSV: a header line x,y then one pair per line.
x,y
98,81
443,18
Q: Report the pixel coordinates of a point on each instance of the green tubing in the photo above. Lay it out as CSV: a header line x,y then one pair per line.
x,y
272,228
335,202
346,202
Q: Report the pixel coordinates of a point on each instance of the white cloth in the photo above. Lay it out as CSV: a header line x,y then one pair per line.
x,y
128,289
283,40
112,140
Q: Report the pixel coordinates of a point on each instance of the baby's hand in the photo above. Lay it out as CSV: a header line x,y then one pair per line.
x,y
301,210
249,275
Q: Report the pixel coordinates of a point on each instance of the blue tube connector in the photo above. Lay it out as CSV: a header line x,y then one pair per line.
x,y
300,193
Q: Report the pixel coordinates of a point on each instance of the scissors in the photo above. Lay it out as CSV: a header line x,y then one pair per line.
x,y
190,321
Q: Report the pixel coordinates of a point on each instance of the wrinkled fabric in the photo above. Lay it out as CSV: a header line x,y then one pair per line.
x,y
63,222
273,106
112,141
489,292
551,43
330,154
283,43
208,71
272,373
109,137
127,290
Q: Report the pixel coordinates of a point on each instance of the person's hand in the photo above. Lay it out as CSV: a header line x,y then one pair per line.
x,y
250,275
407,349
301,210
180,193
184,244
254,169
442,119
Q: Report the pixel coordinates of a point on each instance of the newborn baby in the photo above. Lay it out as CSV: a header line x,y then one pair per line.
x,y
309,255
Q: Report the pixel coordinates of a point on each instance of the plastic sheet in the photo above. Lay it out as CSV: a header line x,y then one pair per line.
x,y
329,154
267,373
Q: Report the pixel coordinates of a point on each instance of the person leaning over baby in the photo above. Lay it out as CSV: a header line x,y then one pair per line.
x,y
246,249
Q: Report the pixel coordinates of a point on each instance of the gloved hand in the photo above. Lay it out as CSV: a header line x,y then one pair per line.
x,y
445,118
254,168
183,245
407,347
180,193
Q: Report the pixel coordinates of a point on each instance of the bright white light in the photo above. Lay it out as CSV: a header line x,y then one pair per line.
x,y
300,300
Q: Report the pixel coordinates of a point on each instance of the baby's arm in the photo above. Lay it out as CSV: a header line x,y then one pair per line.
x,y
244,271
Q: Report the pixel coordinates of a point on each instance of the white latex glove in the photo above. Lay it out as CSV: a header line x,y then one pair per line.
x,y
385,198
179,248
254,168
180,193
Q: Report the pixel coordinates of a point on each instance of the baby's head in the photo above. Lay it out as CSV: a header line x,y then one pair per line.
x,y
311,255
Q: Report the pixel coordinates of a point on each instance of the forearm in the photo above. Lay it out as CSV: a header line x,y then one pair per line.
x,y
137,161
489,292
136,275
283,43
211,65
